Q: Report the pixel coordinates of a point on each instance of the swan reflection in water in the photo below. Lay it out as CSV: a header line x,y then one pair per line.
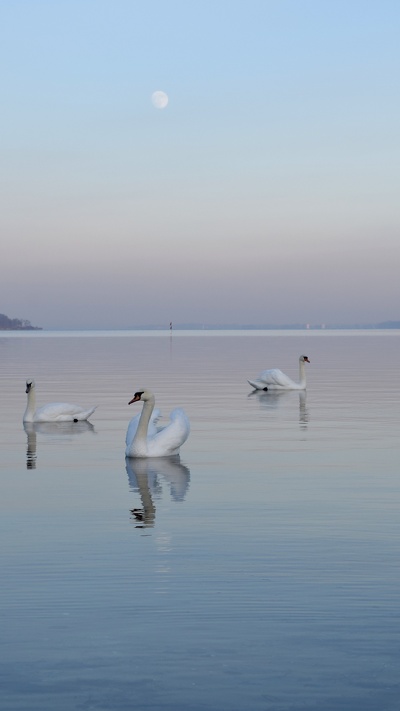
x,y
273,399
145,477
54,431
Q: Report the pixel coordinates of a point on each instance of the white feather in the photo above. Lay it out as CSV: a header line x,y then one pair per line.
x,y
144,439
54,411
274,379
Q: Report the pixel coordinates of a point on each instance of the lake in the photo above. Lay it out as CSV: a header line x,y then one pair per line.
x,y
260,570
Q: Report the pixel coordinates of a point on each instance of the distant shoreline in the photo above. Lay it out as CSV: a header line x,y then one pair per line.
x,y
385,325
16,324
22,328
245,327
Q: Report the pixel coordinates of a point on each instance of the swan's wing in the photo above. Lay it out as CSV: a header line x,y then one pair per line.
x,y
168,439
133,425
62,412
275,377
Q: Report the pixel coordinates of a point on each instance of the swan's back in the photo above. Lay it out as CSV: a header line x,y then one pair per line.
x,y
275,378
62,412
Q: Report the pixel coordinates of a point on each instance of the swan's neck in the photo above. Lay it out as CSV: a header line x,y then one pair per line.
x,y
30,407
302,373
140,438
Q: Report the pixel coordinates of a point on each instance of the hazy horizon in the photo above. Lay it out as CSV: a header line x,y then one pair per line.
x,y
169,327
265,191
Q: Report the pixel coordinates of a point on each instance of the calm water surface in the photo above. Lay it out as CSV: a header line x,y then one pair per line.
x,y
260,571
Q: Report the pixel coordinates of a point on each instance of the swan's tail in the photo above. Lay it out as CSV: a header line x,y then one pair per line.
x,y
257,385
84,415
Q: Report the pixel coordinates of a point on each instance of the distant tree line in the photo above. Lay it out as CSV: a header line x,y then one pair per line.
x,y
16,324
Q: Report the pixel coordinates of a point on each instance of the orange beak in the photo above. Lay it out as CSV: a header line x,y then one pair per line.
x,y
135,399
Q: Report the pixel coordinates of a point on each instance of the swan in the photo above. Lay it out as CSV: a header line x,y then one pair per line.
x,y
54,411
274,379
145,439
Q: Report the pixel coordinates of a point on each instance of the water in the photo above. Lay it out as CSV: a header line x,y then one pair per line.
x,y
260,571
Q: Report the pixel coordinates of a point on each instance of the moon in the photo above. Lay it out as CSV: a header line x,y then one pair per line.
x,y
159,99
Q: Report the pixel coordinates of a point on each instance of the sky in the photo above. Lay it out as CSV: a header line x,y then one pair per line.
x,y
265,192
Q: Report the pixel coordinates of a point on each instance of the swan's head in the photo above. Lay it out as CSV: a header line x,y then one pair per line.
x,y
30,384
304,359
141,395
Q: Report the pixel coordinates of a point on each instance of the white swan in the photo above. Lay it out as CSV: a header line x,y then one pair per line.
x,y
145,439
274,379
54,411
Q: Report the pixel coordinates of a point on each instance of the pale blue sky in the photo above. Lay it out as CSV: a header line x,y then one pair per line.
x,y
266,192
